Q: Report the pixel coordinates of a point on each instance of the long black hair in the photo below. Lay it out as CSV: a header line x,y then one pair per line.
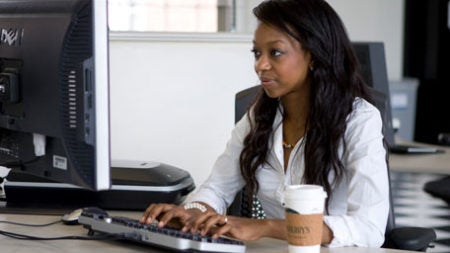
x,y
335,83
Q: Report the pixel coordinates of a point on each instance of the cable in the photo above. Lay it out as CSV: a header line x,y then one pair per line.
x,y
30,225
18,163
31,237
70,237
8,164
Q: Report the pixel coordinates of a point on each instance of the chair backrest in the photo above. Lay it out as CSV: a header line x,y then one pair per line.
x,y
373,68
381,104
243,100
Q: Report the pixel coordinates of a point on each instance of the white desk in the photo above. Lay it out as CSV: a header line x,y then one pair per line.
x,y
76,246
427,163
421,163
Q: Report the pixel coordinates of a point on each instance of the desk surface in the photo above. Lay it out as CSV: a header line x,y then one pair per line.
x,y
15,245
422,163
426,163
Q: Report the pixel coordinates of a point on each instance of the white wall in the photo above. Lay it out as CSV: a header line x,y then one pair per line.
x,y
376,20
172,96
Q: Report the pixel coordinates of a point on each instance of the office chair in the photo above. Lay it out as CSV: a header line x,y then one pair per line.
x,y
404,238
440,188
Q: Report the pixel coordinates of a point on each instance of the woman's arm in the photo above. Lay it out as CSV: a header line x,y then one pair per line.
x,y
363,220
253,229
210,222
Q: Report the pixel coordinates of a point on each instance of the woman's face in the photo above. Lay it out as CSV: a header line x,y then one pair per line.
x,y
280,62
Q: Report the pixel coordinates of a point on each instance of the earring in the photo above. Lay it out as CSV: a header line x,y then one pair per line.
x,y
311,67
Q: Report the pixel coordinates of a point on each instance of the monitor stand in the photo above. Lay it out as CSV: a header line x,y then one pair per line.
x,y
135,185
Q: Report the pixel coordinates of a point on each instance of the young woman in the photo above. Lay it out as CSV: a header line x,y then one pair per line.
x,y
313,123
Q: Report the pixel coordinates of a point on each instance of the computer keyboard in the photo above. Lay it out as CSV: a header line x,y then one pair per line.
x,y
98,220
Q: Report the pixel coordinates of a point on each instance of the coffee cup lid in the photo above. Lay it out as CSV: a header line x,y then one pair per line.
x,y
308,191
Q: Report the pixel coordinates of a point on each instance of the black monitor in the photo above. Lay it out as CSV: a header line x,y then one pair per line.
x,y
54,105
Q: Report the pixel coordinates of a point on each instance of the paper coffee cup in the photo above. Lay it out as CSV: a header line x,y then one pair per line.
x,y
304,205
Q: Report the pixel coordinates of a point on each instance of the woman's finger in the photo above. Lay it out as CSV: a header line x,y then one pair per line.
x,y
197,223
214,220
219,231
175,212
154,211
147,216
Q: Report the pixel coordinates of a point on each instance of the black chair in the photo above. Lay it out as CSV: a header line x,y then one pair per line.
x,y
404,238
439,188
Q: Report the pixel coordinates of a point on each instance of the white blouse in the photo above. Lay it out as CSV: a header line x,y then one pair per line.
x,y
359,205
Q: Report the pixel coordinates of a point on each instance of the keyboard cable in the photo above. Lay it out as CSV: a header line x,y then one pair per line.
x,y
70,237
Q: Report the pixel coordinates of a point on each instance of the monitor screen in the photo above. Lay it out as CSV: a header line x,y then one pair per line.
x,y
54,95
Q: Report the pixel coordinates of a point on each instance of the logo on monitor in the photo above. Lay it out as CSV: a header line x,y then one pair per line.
x,y
11,36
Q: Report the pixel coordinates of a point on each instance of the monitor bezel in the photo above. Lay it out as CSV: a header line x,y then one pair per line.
x,y
99,175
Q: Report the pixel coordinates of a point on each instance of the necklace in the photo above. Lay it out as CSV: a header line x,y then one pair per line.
x,y
287,145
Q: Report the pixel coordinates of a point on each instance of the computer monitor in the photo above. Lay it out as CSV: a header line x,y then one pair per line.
x,y
54,105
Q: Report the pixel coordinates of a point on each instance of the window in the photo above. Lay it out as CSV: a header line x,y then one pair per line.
x,y
172,15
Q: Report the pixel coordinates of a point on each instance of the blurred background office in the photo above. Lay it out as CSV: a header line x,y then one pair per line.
x,y
175,66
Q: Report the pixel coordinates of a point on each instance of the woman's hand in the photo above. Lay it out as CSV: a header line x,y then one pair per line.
x,y
213,224
167,214
247,229
177,216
